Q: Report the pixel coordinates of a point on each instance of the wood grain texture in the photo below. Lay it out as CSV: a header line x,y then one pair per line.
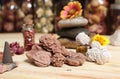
x,y
88,70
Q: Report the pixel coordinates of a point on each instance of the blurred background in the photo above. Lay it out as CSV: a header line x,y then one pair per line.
x,y
42,13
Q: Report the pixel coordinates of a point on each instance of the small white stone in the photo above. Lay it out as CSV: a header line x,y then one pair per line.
x,y
82,38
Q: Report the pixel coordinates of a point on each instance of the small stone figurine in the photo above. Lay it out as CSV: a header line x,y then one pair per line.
x,y
7,61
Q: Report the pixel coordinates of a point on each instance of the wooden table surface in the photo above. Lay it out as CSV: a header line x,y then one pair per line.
x,y
88,70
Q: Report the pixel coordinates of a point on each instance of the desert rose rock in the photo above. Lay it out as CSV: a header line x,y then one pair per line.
x,y
75,59
38,56
100,56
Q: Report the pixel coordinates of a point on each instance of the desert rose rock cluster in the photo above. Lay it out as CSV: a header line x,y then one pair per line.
x,y
50,52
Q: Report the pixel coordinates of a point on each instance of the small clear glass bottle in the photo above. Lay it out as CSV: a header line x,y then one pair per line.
x,y
29,36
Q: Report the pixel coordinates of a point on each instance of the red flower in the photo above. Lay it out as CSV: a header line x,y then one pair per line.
x,y
73,9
